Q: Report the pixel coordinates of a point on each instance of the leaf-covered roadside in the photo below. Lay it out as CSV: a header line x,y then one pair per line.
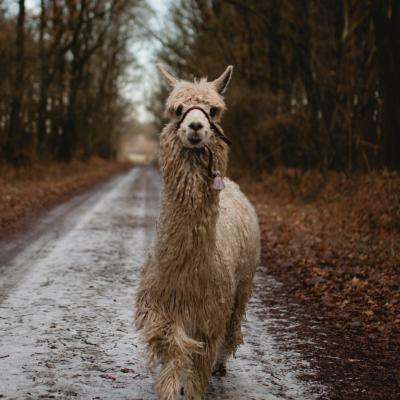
x,y
334,243
26,191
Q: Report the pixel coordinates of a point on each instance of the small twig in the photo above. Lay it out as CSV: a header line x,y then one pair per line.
x,y
87,342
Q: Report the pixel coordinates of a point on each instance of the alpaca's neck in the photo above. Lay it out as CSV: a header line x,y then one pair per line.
x,y
189,208
186,229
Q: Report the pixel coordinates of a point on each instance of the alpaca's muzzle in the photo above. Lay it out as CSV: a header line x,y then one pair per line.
x,y
217,181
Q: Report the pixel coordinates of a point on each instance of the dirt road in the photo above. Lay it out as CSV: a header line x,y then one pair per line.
x,y
66,290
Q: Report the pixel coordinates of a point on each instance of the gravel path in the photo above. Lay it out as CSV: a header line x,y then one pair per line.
x,y
66,291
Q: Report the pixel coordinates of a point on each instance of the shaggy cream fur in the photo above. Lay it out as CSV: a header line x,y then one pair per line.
x,y
197,279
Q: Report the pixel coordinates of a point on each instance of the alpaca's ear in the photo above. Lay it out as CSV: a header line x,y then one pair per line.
x,y
222,82
171,80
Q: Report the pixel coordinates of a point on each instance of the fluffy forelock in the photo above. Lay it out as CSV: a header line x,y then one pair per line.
x,y
197,92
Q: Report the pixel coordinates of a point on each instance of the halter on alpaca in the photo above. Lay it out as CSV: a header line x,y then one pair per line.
x,y
218,183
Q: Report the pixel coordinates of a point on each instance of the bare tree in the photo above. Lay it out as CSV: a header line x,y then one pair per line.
x,y
66,101
308,91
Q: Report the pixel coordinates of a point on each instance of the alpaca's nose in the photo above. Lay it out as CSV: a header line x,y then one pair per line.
x,y
196,126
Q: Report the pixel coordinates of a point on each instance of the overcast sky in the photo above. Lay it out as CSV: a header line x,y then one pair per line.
x,y
146,57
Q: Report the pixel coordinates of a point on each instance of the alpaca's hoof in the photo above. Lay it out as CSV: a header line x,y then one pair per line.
x,y
220,370
182,391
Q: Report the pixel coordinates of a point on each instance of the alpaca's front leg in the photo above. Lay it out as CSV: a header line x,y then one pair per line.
x,y
168,382
199,376
233,334
178,358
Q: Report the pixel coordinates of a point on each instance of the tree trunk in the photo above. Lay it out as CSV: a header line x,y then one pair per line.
x,y
67,142
387,30
14,153
42,106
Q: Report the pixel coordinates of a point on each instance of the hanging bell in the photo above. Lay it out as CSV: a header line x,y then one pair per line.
x,y
217,183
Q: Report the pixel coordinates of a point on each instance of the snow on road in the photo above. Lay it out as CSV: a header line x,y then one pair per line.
x,y
66,295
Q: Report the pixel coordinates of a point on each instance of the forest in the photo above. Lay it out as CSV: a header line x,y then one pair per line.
x,y
315,85
315,82
61,71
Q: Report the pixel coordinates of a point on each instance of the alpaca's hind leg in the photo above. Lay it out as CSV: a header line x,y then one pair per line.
x,y
199,376
219,367
233,334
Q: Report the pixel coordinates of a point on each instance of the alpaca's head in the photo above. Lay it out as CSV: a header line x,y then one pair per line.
x,y
195,129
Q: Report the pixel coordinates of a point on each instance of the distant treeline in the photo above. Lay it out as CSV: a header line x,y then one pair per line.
x,y
60,71
316,83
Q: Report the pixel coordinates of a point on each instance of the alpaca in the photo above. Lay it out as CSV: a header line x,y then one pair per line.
x,y
197,279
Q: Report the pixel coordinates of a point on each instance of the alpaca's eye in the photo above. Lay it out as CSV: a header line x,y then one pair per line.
x,y
213,111
179,110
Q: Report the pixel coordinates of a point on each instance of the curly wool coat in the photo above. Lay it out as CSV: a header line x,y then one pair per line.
x,y
197,279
